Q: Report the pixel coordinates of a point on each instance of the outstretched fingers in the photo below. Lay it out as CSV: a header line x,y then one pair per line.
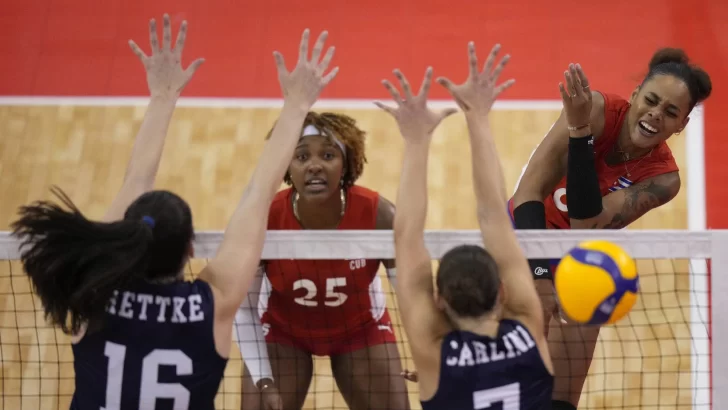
x,y
319,46
491,59
181,38
583,80
280,63
506,85
192,68
393,91
425,87
404,83
330,76
153,40
327,59
389,110
472,60
166,33
303,47
138,51
499,68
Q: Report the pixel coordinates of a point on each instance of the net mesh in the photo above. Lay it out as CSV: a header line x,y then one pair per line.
x,y
658,357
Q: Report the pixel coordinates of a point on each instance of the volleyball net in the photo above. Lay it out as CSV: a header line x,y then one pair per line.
x,y
658,357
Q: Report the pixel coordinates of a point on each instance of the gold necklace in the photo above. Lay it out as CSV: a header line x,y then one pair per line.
x,y
341,195
625,157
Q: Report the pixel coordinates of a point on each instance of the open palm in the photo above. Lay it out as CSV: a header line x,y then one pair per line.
x,y
165,75
414,118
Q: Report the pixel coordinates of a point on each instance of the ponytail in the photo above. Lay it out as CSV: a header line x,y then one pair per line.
x,y
75,264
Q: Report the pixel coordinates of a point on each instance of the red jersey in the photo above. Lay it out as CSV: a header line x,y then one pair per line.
x,y
611,178
324,298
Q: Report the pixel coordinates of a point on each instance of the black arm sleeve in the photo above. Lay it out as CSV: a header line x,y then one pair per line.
x,y
532,215
583,196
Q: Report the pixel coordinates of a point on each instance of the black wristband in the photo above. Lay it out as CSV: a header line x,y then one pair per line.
x,y
532,215
583,195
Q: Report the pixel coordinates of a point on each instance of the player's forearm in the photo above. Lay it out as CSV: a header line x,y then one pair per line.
x,y
149,143
409,219
272,164
583,193
244,235
277,153
251,340
488,182
141,171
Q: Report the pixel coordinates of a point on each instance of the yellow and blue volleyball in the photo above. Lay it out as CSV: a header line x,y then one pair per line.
x,y
596,283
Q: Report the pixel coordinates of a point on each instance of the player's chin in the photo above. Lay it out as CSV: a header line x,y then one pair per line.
x,y
644,139
317,192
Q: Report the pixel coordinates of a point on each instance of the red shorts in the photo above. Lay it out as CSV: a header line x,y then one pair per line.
x,y
375,333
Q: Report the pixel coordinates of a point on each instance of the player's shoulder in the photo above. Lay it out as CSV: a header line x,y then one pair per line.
x,y
609,101
358,192
609,110
363,198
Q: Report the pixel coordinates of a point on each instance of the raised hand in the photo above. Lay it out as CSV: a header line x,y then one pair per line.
x,y
479,92
413,117
165,75
304,84
576,96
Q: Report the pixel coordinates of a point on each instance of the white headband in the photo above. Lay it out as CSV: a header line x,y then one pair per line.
x,y
312,130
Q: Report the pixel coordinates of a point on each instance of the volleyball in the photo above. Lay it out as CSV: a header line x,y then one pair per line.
x,y
596,283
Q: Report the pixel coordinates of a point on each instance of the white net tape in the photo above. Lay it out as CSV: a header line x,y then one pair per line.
x,y
379,244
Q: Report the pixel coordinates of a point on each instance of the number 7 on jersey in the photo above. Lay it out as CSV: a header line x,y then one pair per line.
x,y
509,395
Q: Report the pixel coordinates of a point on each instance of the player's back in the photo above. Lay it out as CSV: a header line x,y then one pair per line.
x,y
156,351
504,372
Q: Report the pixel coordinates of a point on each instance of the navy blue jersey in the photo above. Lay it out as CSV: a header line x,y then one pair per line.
x,y
156,351
504,372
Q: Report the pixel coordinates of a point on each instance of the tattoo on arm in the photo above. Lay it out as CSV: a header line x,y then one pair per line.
x,y
638,200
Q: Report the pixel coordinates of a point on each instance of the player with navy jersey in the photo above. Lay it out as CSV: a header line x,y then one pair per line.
x,y
476,339
143,337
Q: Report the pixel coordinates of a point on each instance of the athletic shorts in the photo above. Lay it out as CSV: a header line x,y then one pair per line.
x,y
372,334
553,262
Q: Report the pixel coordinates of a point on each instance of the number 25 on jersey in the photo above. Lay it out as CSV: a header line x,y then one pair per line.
x,y
333,298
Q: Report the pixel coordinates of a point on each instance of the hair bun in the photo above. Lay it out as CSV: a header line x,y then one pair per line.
x,y
668,55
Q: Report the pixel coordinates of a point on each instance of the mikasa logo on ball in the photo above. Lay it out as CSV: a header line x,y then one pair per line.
x,y
595,258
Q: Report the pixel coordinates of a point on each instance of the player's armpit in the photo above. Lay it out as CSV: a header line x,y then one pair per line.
x,y
625,206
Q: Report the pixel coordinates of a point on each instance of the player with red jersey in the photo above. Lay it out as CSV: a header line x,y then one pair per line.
x,y
332,308
603,165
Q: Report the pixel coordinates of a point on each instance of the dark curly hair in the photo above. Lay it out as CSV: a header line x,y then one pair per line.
x,y
346,131
674,61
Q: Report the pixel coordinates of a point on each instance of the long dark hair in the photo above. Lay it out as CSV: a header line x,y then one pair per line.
x,y
75,264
